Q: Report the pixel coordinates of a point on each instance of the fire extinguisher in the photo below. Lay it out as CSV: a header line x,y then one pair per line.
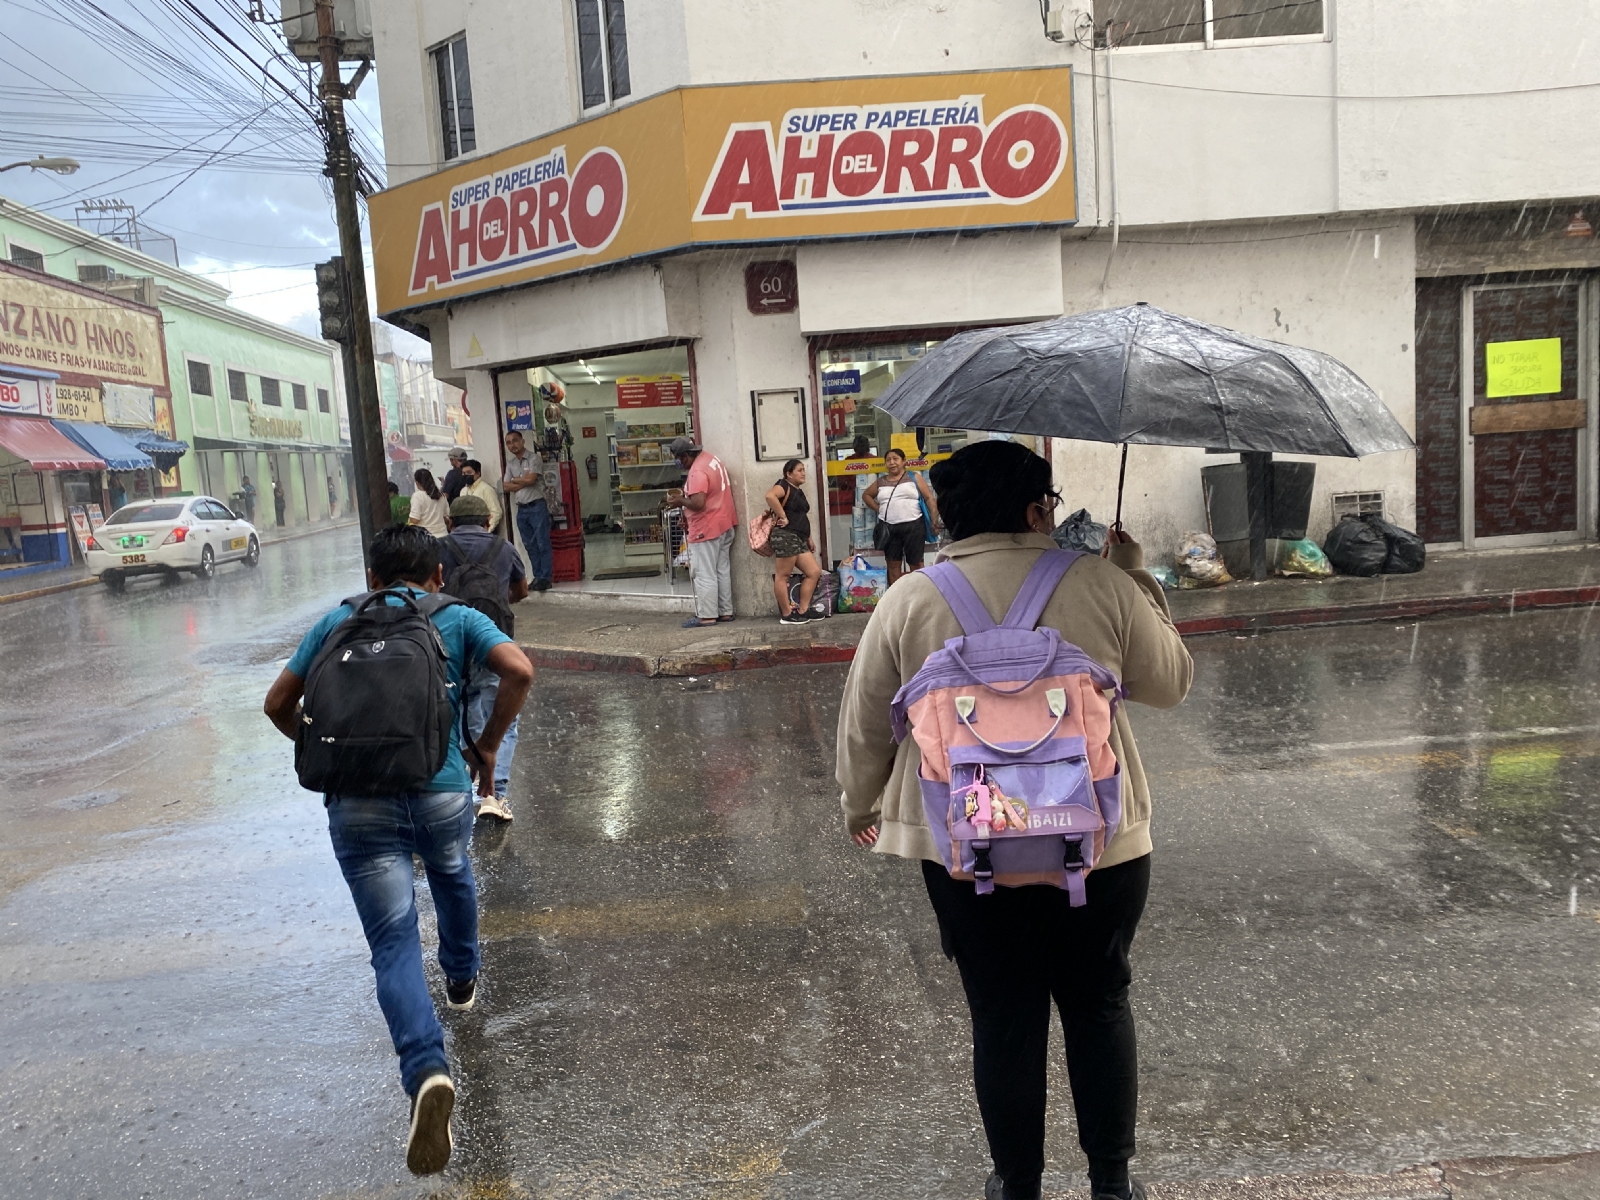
x,y
593,463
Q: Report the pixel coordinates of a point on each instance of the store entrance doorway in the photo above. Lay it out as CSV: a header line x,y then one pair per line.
x,y
853,370
610,421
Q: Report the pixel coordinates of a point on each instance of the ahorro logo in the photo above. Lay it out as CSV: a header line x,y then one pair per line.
x,y
885,156
533,212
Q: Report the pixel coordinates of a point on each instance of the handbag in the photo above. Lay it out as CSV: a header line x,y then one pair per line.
x,y
761,529
761,533
882,530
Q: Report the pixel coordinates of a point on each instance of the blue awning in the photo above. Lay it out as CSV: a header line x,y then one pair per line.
x,y
120,454
165,451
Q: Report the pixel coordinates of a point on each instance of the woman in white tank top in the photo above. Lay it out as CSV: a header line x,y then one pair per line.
x,y
896,496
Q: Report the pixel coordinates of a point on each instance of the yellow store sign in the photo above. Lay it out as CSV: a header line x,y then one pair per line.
x,y
712,166
79,333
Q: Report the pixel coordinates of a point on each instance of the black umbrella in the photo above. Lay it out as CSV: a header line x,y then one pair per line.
x,y
1140,374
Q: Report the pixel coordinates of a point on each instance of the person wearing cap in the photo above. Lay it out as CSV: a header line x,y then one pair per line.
x,y
470,543
454,480
706,498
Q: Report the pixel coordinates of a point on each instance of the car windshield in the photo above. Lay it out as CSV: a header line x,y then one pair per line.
x,y
146,512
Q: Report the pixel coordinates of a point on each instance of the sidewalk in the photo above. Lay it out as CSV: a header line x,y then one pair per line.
x,y
47,583
602,636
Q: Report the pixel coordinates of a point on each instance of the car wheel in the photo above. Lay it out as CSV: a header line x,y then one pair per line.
x,y
114,581
208,563
252,556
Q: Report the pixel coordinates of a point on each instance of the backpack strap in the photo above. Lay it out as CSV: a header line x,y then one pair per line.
x,y
367,599
1038,587
434,602
960,596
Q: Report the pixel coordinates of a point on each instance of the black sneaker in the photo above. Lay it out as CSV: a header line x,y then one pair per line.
x,y
995,1189
793,618
541,585
1137,1192
460,993
429,1144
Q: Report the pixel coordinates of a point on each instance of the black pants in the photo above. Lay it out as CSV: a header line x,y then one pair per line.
x,y
1017,949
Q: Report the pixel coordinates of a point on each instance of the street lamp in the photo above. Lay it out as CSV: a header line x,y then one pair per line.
x,y
61,166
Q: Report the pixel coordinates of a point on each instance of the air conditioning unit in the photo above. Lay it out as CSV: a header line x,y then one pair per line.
x,y
95,273
352,22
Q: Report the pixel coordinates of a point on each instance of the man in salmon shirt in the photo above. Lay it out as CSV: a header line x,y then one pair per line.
x,y
706,498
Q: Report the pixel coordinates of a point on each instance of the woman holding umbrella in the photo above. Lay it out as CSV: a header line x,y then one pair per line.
x,y
1019,948
897,496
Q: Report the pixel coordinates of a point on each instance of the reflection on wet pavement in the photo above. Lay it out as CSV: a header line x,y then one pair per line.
x,y
1372,937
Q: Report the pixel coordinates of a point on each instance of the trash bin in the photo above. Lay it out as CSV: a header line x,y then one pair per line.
x,y
1228,509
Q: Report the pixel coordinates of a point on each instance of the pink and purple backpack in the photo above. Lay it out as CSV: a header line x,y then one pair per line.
x,y
1019,782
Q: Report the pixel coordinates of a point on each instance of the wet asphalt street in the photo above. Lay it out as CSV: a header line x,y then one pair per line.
x,y
1363,947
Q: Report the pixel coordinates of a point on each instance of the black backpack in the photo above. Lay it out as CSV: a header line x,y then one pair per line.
x,y
377,718
473,581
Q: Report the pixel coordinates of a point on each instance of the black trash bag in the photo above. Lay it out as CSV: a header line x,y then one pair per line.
x,y
1080,531
1406,550
1355,548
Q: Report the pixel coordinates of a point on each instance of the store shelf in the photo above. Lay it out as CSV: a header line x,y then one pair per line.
x,y
663,438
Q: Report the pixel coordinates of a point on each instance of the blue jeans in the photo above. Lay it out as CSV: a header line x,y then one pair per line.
x,y
481,691
533,525
374,839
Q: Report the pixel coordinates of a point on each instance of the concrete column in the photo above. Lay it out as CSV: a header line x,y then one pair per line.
x,y
737,353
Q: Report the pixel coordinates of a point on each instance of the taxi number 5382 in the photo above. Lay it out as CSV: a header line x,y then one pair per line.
x,y
132,558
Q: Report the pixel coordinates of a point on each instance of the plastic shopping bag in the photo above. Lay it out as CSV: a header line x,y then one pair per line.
x,y
861,584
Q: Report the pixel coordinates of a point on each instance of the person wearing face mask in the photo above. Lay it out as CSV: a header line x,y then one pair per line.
x,y
1018,948
475,485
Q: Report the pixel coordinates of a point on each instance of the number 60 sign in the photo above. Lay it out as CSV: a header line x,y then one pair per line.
x,y
771,287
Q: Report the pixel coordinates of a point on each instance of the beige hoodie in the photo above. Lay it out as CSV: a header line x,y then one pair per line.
x,y
1114,610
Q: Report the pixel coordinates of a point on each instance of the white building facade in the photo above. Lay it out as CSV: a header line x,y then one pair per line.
x,y
579,181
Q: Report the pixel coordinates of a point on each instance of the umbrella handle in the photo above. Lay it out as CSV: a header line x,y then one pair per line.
x,y
1122,474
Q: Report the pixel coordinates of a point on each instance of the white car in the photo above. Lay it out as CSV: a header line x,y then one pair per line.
x,y
185,533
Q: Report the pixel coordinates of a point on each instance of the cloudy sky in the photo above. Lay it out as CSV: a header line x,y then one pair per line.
x,y
211,142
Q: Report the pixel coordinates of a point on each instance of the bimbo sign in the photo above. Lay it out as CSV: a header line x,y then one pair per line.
x,y
533,212
877,157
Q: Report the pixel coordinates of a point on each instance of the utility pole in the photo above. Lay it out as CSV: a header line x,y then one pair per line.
x,y
366,417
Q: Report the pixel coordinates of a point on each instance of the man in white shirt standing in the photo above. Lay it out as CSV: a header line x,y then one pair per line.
x,y
524,484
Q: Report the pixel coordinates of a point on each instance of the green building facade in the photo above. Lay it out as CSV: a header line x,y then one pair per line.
x,y
250,398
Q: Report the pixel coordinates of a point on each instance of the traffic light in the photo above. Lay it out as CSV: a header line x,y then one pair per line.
x,y
333,300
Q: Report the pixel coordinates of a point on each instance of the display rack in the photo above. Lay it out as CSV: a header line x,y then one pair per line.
x,y
642,482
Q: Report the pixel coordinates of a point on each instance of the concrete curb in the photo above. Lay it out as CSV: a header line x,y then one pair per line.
x,y
35,593
739,658
53,589
1391,610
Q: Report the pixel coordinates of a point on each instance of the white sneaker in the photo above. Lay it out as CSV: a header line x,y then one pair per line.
x,y
496,807
429,1145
